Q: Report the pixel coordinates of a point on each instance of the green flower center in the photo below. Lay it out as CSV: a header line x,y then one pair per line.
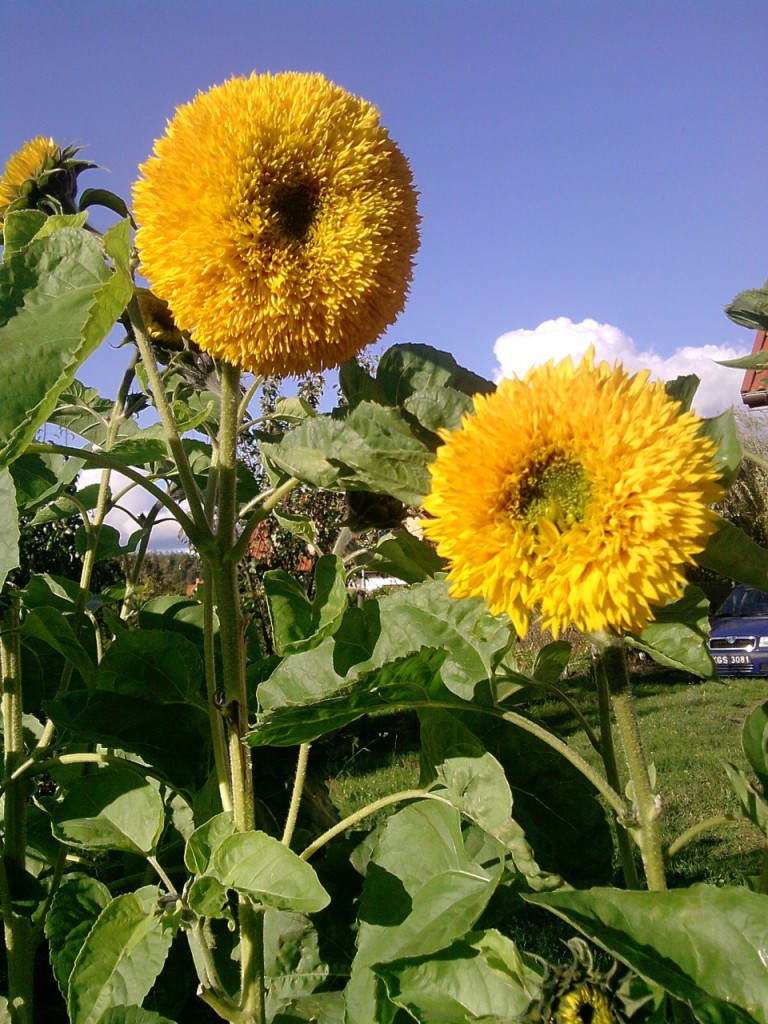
x,y
295,208
552,486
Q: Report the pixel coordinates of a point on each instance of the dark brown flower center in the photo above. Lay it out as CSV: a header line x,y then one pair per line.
x,y
295,208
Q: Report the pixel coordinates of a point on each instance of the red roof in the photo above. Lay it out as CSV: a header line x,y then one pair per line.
x,y
754,388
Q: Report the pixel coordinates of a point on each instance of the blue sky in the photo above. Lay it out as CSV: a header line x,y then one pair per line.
x,y
580,164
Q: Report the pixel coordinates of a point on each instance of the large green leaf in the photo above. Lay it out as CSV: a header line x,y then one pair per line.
x,y
370,448
172,738
269,872
482,976
115,809
9,535
51,627
724,432
404,556
292,961
132,1015
121,957
678,635
732,554
81,410
206,840
422,889
749,309
554,804
754,739
58,301
298,623
406,370
155,665
77,903
39,478
412,646
704,945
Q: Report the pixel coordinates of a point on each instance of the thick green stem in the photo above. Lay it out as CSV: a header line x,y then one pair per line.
x,y
223,566
19,943
608,754
648,828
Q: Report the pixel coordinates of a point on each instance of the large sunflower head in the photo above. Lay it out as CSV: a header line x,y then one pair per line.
x,y
278,220
42,175
582,490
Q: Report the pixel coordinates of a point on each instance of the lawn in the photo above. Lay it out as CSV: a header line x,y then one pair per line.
x,y
690,729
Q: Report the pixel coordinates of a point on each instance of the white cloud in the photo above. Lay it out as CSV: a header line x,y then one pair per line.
x,y
165,535
516,351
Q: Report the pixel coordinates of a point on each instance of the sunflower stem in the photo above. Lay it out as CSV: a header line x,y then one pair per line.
x,y
223,566
296,794
19,944
608,754
172,435
648,808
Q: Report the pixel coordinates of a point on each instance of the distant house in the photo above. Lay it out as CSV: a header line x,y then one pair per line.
x,y
754,388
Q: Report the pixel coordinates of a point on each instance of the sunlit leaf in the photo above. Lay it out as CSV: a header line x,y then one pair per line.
x,y
77,903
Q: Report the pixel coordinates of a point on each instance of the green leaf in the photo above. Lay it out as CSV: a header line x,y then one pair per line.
x,y
121,957
422,890
103,197
292,961
754,740
40,478
267,871
683,390
405,370
554,804
411,646
9,536
749,309
208,898
704,945
77,903
19,228
370,448
551,661
156,665
298,526
482,976
723,431
753,806
404,556
732,554
173,738
132,1015
206,839
299,624
678,636
754,361
51,627
81,410
59,301
115,809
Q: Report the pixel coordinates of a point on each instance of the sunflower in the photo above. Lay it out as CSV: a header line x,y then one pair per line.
x,y
278,221
41,175
583,491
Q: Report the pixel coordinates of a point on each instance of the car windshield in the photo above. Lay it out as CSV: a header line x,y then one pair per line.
x,y
745,601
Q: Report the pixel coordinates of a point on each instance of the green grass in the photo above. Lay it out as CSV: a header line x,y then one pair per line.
x,y
690,730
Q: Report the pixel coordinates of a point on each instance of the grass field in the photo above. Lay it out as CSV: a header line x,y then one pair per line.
x,y
690,730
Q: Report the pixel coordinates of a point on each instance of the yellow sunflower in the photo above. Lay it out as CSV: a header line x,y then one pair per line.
x,y
278,220
583,491
41,175
585,1004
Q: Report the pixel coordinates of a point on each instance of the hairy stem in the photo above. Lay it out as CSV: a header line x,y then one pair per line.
x,y
298,789
608,754
19,943
648,828
696,830
223,565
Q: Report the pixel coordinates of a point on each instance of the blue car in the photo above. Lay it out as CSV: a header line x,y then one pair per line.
x,y
739,634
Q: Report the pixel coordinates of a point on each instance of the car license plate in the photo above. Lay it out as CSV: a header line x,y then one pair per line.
x,y
732,659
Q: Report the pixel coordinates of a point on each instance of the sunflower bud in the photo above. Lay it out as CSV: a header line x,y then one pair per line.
x,y
41,176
